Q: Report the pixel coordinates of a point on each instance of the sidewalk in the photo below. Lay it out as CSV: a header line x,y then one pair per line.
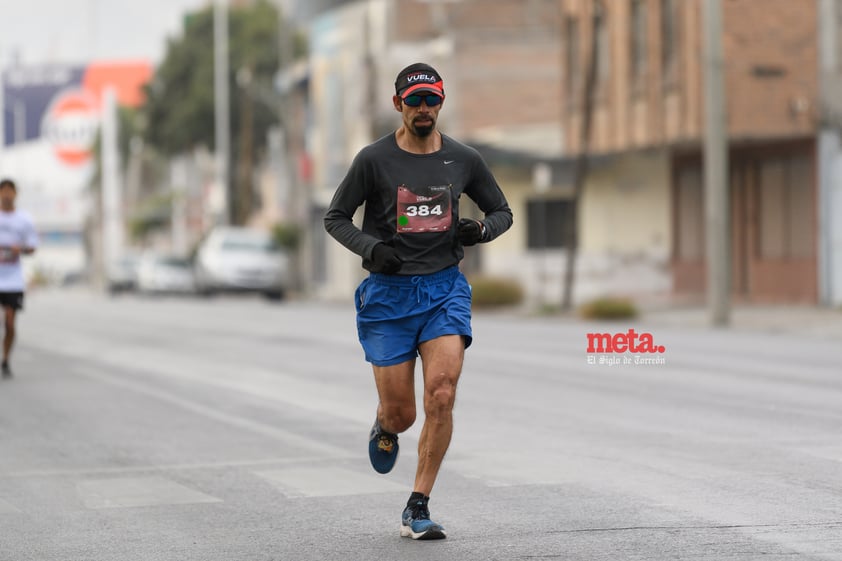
x,y
810,321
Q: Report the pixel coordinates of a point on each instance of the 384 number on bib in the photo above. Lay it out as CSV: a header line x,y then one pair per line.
x,y
425,209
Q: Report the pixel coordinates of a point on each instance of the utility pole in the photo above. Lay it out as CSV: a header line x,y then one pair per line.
x,y
297,203
179,180
112,192
717,222
244,187
222,110
829,148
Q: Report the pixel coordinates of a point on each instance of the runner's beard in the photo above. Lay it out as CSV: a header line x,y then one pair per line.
x,y
424,131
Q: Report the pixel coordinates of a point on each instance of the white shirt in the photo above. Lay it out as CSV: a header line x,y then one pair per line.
x,y
16,229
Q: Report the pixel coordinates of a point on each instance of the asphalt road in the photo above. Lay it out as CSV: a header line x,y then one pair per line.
x,y
236,429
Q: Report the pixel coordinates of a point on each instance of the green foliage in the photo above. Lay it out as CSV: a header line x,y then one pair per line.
x,y
179,109
287,235
155,213
608,308
493,292
128,127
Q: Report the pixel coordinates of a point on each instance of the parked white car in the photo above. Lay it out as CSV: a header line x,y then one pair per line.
x,y
121,274
161,274
238,259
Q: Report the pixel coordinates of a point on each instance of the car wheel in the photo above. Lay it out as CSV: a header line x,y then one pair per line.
x,y
274,295
205,292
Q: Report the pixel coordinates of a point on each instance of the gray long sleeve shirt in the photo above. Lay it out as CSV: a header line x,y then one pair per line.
x,y
412,203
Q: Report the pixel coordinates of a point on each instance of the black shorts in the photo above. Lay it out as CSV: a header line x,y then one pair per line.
x,y
13,300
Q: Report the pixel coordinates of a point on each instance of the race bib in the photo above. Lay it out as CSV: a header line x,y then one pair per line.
x,y
8,256
423,209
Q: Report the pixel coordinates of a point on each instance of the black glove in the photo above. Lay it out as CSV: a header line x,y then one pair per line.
x,y
470,231
385,259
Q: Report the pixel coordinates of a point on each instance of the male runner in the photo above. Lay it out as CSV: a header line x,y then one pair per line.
x,y
17,237
415,300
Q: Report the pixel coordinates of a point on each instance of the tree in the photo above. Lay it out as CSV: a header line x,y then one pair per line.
x,y
582,164
179,109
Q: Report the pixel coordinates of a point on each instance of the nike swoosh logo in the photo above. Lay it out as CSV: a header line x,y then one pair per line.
x,y
448,162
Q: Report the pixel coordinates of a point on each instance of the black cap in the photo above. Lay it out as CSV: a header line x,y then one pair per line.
x,y
419,78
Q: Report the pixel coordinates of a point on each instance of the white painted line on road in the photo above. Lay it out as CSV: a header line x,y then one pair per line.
x,y
303,442
7,507
137,492
299,460
267,384
327,481
501,469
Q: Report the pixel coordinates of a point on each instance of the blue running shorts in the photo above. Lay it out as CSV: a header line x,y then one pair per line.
x,y
396,313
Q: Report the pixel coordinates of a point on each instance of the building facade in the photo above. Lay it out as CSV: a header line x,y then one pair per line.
x,y
644,206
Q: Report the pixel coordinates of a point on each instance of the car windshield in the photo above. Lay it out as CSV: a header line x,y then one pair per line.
x,y
126,263
174,262
254,245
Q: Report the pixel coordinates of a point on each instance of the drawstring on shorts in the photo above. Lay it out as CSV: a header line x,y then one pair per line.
x,y
420,287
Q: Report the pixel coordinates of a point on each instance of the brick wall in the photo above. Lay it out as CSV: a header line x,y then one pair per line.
x,y
418,19
505,68
771,66
508,84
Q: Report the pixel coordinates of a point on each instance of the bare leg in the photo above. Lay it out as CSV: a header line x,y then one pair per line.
x,y
396,389
442,362
9,336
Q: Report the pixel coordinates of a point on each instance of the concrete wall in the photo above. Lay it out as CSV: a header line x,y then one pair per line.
x,y
624,229
624,234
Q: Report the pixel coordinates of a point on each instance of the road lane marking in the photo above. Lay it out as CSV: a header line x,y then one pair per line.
x,y
304,442
7,507
351,404
327,481
137,492
187,466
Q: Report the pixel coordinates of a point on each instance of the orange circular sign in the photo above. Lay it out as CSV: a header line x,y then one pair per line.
x,y
70,124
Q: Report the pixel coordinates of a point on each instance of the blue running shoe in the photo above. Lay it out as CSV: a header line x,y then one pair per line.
x,y
382,449
416,523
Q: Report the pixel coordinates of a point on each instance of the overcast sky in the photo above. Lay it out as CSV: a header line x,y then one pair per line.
x,y
78,31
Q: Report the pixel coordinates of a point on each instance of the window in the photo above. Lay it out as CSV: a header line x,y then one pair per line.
x,y
574,71
669,40
638,42
603,46
546,222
